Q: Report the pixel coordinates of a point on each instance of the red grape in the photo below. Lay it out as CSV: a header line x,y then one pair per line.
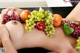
x,y
75,26
6,18
79,27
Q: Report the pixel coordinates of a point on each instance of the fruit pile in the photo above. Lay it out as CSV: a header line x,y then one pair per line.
x,y
71,28
42,20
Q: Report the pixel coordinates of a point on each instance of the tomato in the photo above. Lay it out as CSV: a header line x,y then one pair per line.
x,y
24,15
57,20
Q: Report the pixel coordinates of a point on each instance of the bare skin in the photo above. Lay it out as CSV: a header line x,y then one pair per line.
x,y
21,38
59,43
6,41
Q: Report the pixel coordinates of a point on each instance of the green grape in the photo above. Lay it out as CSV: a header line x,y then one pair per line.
x,y
46,13
41,15
78,44
49,30
41,10
32,16
49,27
38,19
34,12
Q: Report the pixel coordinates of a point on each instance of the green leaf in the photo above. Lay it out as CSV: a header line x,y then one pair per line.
x,y
67,29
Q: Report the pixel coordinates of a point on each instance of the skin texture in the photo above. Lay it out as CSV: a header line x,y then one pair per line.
x,y
23,39
16,37
6,41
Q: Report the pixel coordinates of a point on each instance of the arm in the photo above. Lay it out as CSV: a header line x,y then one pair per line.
x,y
75,13
6,41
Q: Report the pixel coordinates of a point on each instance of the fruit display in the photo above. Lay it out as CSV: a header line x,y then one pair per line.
x,y
42,20
71,28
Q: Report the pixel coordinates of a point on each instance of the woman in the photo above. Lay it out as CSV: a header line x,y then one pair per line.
x,y
59,43
14,37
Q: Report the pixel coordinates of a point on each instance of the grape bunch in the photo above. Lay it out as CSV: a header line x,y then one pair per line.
x,y
33,18
75,25
49,30
41,17
6,18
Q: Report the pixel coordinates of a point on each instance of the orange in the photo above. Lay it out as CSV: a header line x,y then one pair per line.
x,y
57,20
24,15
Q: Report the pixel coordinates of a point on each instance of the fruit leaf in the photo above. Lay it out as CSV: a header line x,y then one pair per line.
x,y
67,29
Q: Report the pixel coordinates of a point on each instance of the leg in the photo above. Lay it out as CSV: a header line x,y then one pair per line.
x,y
75,13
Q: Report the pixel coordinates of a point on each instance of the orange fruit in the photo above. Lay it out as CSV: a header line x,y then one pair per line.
x,y
57,20
24,15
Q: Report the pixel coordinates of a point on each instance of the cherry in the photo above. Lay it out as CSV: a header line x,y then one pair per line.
x,y
79,27
40,25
